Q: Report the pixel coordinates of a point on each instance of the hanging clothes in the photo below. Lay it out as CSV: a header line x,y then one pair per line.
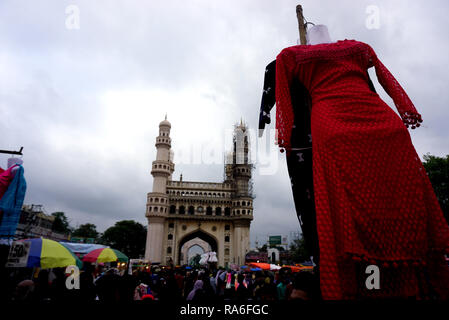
x,y
6,177
374,202
299,161
11,203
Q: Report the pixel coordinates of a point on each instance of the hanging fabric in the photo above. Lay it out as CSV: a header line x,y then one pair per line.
x,y
374,202
11,204
299,161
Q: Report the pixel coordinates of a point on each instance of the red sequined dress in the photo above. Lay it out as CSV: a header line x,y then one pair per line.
x,y
374,201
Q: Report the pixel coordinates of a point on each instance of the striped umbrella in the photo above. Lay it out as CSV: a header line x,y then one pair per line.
x,y
105,255
43,253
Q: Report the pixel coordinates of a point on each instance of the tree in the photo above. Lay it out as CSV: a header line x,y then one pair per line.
x,y
128,237
61,223
298,250
438,170
87,230
195,260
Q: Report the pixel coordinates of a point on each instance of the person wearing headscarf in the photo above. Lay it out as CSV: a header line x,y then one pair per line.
x,y
196,292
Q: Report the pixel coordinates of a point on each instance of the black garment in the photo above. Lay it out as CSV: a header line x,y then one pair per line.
x,y
299,161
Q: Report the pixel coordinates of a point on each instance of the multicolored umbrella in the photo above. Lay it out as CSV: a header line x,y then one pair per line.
x,y
42,253
105,255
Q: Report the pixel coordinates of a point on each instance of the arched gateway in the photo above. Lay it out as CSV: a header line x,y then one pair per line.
x,y
197,238
218,214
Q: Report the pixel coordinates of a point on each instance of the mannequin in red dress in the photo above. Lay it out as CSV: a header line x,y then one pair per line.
x,y
374,202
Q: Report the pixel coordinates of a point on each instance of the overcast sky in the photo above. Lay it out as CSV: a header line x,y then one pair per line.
x,y
85,103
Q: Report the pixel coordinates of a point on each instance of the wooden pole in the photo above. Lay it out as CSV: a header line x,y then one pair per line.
x,y
301,25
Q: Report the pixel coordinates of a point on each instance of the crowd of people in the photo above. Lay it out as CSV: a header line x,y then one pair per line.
x,y
98,283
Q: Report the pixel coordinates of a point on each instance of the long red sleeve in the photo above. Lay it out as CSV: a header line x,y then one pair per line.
x,y
404,105
285,66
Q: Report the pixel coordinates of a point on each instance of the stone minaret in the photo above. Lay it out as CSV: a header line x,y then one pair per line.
x,y
157,201
242,202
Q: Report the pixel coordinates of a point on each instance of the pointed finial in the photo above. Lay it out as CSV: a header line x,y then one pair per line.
x,y
166,116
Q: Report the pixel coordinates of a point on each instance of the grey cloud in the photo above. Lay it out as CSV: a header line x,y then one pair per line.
x,y
203,63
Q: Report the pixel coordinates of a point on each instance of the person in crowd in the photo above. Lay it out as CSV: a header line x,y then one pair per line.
x,y
42,286
127,285
58,288
281,287
24,291
209,293
242,293
268,290
107,286
305,287
197,293
87,292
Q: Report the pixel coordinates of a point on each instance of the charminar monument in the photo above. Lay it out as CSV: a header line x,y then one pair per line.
x,y
213,216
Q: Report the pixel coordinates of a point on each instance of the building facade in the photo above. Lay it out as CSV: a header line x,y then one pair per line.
x,y
215,216
34,223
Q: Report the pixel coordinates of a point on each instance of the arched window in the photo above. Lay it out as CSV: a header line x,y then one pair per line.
x,y
191,210
172,209
218,211
227,211
182,210
170,237
243,203
209,211
238,212
227,239
168,250
243,211
155,209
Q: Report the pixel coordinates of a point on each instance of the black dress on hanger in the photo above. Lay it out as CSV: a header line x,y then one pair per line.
x,y
299,161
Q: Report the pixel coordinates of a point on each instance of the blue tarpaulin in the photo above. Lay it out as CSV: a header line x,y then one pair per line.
x,y
82,248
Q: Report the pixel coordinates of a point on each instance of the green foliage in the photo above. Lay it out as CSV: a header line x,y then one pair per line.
x,y
437,169
87,230
298,250
61,223
195,260
128,237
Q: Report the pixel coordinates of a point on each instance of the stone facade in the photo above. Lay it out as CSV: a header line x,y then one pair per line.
x,y
218,214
